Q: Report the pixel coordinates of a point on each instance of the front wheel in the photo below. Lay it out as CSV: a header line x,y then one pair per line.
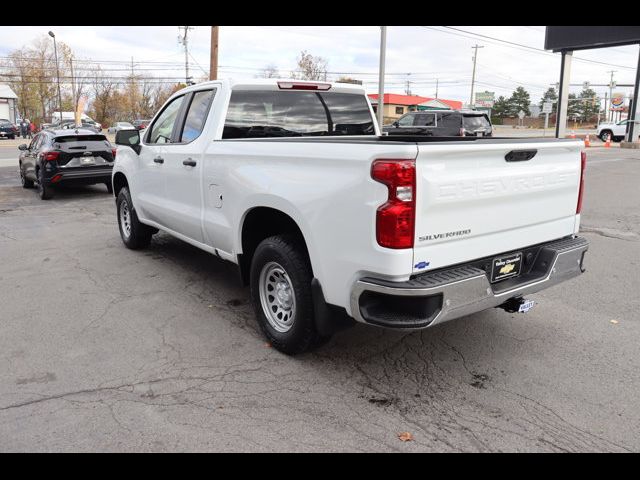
x,y
135,235
604,134
281,294
26,183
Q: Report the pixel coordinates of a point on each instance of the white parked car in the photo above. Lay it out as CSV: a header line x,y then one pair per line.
x,y
330,221
116,127
615,130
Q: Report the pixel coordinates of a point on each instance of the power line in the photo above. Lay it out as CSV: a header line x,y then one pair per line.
x,y
535,49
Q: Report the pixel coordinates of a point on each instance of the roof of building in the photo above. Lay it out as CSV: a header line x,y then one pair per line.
x,y
395,99
6,92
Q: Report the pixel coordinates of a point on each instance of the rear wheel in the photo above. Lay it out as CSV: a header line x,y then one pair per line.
x,y
44,191
135,235
281,295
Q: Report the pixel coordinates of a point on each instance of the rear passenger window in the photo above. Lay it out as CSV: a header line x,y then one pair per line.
x,y
197,115
425,120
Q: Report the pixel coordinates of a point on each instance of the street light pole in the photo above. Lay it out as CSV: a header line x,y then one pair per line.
x,y
473,75
383,48
55,50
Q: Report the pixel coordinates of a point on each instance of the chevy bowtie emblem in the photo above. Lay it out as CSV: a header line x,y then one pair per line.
x,y
507,268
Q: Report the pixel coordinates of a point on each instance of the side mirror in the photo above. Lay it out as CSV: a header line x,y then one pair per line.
x,y
395,124
129,138
23,147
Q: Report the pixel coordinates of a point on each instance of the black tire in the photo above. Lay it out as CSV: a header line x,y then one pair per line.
x,y
139,234
12,137
44,191
109,187
604,133
26,183
286,252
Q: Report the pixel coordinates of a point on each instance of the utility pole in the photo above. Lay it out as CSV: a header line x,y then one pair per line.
x,y
473,75
213,62
610,113
383,49
55,50
437,87
408,89
184,40
73,89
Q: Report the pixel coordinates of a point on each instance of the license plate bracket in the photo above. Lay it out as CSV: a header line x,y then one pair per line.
x,y
507,266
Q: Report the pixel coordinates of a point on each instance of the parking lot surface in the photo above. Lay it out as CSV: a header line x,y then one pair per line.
x,y
108,349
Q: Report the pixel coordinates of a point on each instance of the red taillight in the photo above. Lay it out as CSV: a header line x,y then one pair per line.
x,y
56,178
50,156
583,167
395,220
113,152
303,86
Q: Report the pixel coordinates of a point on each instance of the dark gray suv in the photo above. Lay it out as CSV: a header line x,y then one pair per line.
x,y
442,123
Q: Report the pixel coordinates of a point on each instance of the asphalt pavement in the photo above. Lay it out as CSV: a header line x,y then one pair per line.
x,y
108,349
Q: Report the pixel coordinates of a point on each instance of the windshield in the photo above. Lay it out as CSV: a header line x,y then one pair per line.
x,y
475,122
260,114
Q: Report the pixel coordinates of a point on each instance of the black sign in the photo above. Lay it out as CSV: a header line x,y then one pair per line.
x,y
583,37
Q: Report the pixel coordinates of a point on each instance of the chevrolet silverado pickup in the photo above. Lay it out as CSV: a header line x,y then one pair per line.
x,y
330,222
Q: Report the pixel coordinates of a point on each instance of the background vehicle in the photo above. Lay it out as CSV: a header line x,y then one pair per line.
x,y
66,157
141,124
8,129
615,130
328,221
71,124
116,127
443,123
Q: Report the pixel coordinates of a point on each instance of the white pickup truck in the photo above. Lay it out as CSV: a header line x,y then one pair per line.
x,y
330,221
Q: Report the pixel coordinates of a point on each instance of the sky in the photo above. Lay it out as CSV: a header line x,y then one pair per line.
x,y
419,54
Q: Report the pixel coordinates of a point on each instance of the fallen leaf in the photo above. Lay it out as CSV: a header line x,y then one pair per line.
x,y
615,322
210,306
405,437
268,345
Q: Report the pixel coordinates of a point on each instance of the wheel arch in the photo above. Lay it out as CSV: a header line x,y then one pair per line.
x,y
119,182
261,222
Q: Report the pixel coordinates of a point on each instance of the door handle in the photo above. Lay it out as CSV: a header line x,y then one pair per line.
x,y
158,160
189,162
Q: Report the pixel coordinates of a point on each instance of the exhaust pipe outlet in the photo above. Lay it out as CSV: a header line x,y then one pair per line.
x,y
517,305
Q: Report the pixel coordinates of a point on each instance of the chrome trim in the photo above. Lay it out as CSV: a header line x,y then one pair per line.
x,y
471,295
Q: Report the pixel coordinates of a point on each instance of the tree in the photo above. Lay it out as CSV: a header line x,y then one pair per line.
x,y
550,96
588,105
500,107
269,71
573,107
310,67
519,100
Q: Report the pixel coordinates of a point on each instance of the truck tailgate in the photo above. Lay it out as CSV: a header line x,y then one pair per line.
x,y
472,203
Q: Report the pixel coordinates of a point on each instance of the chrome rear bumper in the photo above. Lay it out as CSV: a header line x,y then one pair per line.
x,y
446,294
